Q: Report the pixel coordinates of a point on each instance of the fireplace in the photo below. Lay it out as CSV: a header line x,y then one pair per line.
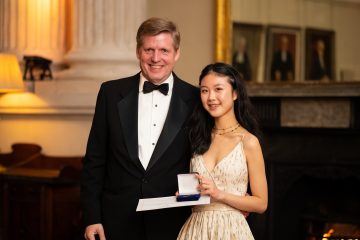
x,y
318,230
326,207
313,177
330,207
314,182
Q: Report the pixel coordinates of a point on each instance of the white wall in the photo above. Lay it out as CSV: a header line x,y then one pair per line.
x,y
58,135
347,18
196,21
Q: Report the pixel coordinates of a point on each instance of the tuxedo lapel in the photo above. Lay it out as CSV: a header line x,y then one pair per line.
x,y
128,112
177,114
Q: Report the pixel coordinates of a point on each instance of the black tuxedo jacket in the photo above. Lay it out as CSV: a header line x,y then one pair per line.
x,y
113,177
284,67
317,71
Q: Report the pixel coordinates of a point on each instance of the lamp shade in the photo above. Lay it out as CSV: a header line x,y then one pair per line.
x,y
10,74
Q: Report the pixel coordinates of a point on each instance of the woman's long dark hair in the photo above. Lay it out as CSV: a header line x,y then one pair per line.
x,y
201,122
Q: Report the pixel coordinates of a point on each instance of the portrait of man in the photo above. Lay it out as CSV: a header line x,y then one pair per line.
x,y
320,67
282,65
283,54
246,39
240,59
319,55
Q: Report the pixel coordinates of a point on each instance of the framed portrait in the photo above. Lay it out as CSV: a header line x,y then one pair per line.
x,y
283,54
319,59
245,52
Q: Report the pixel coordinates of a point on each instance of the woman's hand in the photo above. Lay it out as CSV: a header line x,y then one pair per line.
x,y
207,187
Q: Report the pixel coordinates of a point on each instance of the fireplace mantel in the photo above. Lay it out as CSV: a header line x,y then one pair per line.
x,y
312,89
319,105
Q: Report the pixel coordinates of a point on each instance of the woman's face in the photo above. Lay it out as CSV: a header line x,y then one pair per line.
x,y
217,95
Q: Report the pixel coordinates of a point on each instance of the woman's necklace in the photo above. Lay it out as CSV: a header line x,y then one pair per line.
x,y
222,131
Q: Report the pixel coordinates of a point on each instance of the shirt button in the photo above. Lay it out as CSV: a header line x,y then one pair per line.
x,y
155,105
154,124
144,180
153,144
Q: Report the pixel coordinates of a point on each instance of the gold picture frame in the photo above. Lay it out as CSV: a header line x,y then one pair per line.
x,y
223,31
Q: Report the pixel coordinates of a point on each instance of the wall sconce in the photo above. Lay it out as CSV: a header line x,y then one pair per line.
x,y
38,64
10,74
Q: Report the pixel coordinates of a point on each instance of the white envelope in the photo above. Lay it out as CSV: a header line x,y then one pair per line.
x,y
187,186
168,202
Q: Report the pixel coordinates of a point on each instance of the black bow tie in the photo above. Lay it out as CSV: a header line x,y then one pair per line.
x,y
149,87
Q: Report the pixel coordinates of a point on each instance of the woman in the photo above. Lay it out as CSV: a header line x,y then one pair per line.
x,y
227,155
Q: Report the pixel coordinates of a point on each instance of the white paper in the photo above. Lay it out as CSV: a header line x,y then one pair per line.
x,y
168,202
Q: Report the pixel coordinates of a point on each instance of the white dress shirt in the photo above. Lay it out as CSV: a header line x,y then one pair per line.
x,y
240,58
283,56
152,111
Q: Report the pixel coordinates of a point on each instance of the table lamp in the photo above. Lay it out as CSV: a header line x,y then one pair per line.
x,y
10,74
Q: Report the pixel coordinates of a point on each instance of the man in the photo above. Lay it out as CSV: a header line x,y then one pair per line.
x,y
138,143
320,63
241,61
282,67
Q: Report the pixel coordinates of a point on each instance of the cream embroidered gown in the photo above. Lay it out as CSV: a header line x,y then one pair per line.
x,y
219,221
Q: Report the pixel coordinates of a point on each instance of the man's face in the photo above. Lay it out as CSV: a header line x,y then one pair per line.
x,y
157,57
284,43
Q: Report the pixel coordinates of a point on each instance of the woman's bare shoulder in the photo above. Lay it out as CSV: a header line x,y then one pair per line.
x,y
250,141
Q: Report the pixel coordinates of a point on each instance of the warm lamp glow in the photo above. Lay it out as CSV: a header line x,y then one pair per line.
x,y
10,75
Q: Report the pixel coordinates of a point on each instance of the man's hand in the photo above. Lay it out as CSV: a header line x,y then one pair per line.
x,y
94,229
